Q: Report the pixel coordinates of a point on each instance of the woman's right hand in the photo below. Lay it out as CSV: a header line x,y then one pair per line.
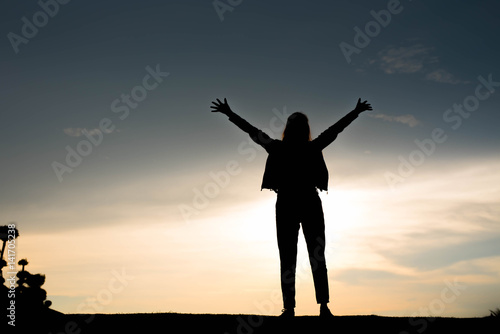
x,y
221,107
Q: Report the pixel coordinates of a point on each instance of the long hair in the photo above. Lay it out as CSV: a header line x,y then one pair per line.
x,y
297,128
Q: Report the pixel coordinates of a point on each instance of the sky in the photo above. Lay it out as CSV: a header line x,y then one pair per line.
x,y
131,196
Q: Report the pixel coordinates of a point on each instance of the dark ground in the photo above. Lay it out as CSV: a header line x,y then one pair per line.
x,y
253,324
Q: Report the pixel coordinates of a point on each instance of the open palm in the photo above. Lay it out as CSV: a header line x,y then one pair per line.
x,y
363,106
221,107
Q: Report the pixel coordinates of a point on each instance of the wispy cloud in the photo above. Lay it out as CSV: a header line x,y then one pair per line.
x,y
443,76
358,276
470,247
404,59
78,132
407,119
413,59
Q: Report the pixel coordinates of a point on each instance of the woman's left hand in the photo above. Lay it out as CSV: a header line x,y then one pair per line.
x,y
362,106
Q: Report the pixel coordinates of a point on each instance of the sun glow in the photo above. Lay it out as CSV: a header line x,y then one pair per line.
x,y
227,259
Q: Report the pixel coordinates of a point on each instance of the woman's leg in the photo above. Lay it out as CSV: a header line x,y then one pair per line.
x,y
313,226
287,230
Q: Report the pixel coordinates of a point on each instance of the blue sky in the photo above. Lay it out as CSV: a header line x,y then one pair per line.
x,y
438,208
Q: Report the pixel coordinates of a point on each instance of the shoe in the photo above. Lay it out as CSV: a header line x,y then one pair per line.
x,y
287,313
324,312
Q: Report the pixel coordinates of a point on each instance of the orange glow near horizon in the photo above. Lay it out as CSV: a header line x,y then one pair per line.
x,y
228,263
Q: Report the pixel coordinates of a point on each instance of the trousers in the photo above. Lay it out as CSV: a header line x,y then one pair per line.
x,y
294,209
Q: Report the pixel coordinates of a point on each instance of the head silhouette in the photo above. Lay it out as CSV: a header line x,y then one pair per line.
x,y
297,128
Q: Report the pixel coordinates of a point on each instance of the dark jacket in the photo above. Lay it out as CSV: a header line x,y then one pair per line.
x,y
295,166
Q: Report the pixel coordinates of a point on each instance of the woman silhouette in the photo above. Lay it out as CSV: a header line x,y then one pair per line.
x,y
295,170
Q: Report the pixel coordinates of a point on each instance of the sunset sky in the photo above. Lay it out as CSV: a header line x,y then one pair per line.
x,y
131,196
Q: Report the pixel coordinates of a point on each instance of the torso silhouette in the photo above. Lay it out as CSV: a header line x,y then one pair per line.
x,y
292,165
295,167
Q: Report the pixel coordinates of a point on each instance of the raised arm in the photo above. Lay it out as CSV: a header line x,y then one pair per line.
x,y
257,135
330,134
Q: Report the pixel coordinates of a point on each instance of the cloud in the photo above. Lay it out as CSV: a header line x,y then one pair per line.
x,y
78,132
356,276
407,119
482,214
413,59
404,59
437,256
443,76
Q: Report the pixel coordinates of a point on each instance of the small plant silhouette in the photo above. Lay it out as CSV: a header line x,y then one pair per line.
x,y
30,297
23,262
495,313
